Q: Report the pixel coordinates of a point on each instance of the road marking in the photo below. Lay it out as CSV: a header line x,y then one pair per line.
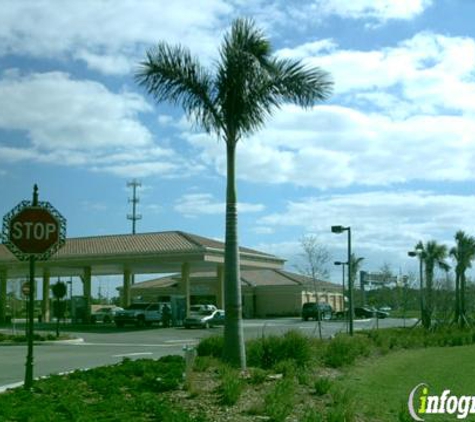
x,y
189,340
132,354
132,344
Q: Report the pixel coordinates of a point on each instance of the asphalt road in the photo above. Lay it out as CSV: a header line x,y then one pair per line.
x,y
104,345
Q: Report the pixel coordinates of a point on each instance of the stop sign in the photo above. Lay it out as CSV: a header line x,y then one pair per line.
x,y
34,229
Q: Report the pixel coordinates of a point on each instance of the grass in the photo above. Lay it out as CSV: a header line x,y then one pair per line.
x,y
382,386
131,390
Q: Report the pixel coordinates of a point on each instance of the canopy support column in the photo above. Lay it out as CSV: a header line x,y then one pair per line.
x,y
45,308
185,276
3,296
87,293
126,288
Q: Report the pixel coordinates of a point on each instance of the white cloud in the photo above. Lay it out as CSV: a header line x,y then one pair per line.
x,y
110,36
385,225
331,146
194,204
60,112
79,123
430,72
417,125
380,10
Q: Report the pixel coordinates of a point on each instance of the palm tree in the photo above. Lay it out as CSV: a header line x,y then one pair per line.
x,y
463,253
246,85
433,255
355,266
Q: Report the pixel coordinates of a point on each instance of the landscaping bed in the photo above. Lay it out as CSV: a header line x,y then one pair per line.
x,y
290,378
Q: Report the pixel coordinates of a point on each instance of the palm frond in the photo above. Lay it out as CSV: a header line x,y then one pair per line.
x,y
171,74
299,84
251,83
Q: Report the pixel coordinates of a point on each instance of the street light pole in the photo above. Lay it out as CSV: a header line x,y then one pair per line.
x,y
338,230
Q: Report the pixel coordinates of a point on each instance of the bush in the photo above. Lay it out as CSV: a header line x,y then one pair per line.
x,y
312,415
266,352
231,386
211,346
343,350
322,386
343,407
258,376
280,401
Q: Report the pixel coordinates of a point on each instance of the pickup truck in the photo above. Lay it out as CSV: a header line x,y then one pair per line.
x,y
139,314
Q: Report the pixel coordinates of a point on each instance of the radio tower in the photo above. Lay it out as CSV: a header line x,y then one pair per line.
x,y
134,184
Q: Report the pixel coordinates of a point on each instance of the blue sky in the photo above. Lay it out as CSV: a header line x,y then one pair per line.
x,y
391,154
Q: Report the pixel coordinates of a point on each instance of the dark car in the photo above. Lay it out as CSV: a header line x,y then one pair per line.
x,y
368,312
317,311
364,312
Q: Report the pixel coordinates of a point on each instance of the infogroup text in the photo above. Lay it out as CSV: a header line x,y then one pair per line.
x,y
420,403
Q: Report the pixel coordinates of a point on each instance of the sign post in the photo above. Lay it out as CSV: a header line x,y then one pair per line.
x,y
33,231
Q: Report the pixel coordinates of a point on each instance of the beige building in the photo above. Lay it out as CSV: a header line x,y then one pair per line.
x,y
198,262
265,292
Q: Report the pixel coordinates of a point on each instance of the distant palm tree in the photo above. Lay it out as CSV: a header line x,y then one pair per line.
x,y
463,253
233,101
355,266
433,256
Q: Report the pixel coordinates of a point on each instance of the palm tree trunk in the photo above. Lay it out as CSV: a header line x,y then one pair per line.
x,y
427,322
462,299
457,296
234,350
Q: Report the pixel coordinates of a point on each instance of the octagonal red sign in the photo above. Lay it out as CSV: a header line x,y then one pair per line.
x,y
34,230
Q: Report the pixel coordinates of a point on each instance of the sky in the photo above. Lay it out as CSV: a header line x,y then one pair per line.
x,y
390,154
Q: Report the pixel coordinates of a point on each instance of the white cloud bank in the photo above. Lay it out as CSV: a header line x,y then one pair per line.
x,y
108,35
385,225
380,10
407,113
78,123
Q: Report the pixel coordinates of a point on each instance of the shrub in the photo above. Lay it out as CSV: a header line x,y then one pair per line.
x,y
266,352
258,376
322,385
343,350
343,407
211,346
203,363
280,401
312,415
231,386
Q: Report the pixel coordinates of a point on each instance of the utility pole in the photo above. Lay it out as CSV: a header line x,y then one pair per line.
x,y
134,184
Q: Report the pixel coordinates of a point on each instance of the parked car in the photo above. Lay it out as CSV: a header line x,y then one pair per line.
x,y
139,314
381,313
364,312
201,307
317,311
204,319
369,312
105,314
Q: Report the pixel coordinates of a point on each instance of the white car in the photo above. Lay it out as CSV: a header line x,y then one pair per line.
x,y
105,314
204,319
